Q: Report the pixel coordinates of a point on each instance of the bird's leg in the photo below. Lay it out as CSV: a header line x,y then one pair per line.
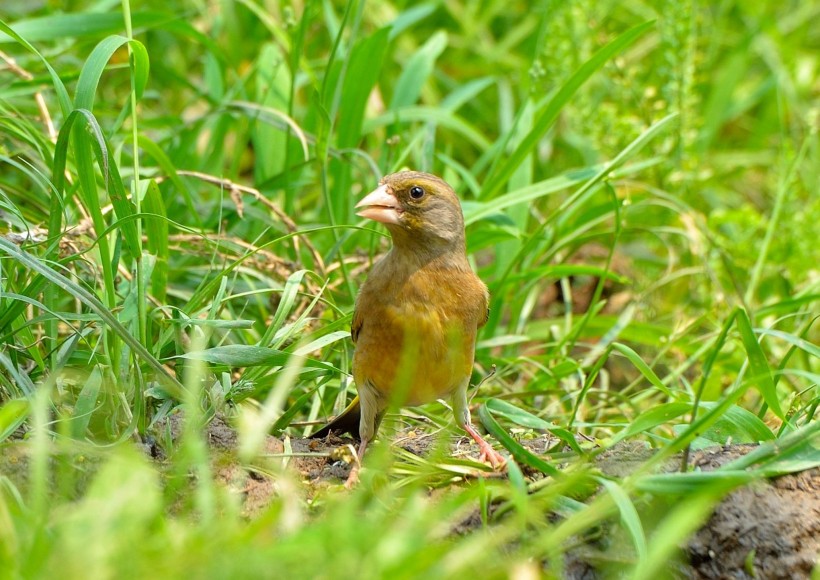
x,y
353,477
462,413
372,412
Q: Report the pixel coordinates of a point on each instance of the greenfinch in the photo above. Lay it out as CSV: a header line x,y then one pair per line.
x,y
417,316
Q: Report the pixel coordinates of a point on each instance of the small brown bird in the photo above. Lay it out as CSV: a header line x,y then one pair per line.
x,y
417,315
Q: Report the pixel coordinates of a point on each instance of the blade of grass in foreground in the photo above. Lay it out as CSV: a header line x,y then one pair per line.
x,y
519,452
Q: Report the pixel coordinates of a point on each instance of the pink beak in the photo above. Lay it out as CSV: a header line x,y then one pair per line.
x,y
381,206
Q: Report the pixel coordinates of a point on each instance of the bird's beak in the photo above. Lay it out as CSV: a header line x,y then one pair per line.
x,y
381,206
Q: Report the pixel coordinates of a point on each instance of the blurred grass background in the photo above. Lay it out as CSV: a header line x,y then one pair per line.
x,y
177,183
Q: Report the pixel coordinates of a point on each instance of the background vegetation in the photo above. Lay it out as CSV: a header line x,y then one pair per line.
x,y
176,186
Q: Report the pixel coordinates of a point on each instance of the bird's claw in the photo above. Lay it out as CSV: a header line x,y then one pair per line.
x,y
353,478
489,455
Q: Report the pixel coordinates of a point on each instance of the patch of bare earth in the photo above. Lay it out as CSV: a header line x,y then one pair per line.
x,y
770,529
767,530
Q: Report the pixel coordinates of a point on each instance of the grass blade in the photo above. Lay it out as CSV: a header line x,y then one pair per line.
x,y
548,116
520,453
416,72
96,306
761,372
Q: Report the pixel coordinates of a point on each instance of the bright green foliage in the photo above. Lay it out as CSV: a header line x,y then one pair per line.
x,y
177,183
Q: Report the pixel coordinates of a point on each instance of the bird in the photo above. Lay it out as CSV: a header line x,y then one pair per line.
x,y
416,317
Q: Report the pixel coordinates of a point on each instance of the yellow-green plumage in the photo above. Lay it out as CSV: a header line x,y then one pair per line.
x,y
417,315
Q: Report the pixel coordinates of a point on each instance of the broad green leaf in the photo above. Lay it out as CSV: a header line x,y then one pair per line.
x,y
738,426
800,343
273,93
156,152
242,355
410,15
788,305
667,538
719,481
643,368
322,342
12,414
84,144
797,451
650,419
80,24
64,317
97,62
363,72
290,293
86,403
466,93
629,516
156,233
285,419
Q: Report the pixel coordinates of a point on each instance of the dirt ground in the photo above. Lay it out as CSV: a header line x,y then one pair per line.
x,y
768,530
771,528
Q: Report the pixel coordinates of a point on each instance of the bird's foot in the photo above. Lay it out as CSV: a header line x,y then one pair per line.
x,y
493,457
353,478
488,454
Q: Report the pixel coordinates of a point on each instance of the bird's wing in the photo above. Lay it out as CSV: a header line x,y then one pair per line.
x,y
356,324
483,320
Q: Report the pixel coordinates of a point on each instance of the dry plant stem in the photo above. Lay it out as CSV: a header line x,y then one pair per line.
x,y
86,226
38,96
490,374
289,223
279,263
353,477
362,263
43,108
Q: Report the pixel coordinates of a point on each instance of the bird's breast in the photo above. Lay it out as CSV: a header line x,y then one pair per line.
x,y
417,337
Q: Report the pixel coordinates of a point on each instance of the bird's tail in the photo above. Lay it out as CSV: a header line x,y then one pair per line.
x,y
346,422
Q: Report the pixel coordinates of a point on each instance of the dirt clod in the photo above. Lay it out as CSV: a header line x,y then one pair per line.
x,y
765,530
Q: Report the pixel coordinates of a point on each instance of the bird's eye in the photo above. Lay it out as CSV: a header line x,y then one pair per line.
x,y
416,192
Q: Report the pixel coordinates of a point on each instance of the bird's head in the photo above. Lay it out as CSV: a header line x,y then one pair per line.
x,y
418,209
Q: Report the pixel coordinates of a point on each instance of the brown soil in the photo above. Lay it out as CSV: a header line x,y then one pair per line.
x,y
770,529
767,530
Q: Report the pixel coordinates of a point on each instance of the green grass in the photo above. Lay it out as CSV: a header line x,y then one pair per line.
x,y
185,236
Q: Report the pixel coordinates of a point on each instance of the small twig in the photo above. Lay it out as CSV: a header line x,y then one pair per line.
x,y
487,377
483,380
